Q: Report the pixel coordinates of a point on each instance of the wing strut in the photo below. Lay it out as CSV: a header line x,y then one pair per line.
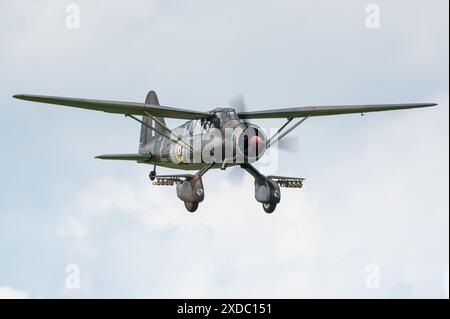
x,y
277,137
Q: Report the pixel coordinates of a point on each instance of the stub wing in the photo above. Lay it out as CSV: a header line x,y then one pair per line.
x,y
289,182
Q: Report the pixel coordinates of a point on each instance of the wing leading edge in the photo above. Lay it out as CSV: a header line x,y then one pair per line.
x,y
329,110
126,108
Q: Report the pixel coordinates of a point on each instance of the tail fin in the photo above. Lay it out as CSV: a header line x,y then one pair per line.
x,y
146,133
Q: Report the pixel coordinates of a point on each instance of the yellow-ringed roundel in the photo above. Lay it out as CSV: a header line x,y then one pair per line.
x,y
178,153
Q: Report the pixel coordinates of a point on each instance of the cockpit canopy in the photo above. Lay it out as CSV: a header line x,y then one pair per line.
x,y
224,115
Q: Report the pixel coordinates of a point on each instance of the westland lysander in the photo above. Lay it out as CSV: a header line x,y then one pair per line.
x,y
208,140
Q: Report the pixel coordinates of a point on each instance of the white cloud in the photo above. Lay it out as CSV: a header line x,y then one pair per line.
x,y
229,233
7,292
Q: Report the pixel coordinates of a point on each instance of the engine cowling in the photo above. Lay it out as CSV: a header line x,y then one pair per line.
x,y
250,143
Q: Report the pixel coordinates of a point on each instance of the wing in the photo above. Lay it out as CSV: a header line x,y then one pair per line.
x,y
127,108
126,157
329,110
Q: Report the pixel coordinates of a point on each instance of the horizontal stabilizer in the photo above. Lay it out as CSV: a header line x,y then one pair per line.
x,y
126,157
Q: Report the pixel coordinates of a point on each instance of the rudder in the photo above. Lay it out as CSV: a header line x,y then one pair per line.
x,y
147,133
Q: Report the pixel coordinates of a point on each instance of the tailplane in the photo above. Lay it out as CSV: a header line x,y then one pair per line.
x,y
140,158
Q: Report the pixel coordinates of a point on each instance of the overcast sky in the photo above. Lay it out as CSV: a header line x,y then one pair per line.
x,y
372,220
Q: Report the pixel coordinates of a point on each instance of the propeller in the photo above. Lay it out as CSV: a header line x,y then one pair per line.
x,y
238,104
286,144
236,174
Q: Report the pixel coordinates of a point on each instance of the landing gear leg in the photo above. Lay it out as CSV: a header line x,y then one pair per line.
x,y
267,192
152,174
191,190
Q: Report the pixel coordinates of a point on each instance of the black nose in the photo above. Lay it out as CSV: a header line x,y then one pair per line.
x,y
251,143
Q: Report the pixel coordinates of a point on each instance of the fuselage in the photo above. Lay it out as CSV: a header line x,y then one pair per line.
x,y
223,138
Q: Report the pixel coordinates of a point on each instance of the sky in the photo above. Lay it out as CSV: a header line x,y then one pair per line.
x,y
372,220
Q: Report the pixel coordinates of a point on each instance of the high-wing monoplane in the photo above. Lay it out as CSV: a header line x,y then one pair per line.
x,y
214,139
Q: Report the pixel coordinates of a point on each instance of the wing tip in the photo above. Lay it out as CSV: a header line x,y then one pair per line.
x,y
104,156
25,97
431,104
